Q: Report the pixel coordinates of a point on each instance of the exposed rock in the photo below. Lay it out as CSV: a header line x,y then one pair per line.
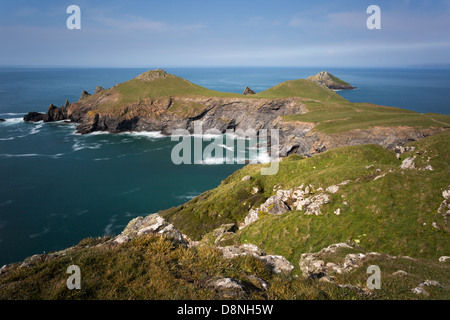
x,y
34,116
399,150
153,75
408,163
231,252
122,239
313,266
420,289
246,178
279,264
151,224
400,273
2,120
274,206
98,89
223,230
258,282
253,215
446,194
55,114
326,79
291,199
248,91
313,204
84,95
228,288
332,189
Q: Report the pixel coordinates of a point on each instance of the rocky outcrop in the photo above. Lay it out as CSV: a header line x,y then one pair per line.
x,y
303,198
228,288
326,79
34,117
420,289
443,212
2,120
98,89
151,224
84,95
248,91
277,263
55,114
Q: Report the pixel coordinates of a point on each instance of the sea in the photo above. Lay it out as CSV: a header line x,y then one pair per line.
x,y
58,187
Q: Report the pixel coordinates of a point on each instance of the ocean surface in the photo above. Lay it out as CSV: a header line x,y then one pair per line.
x,y
58,187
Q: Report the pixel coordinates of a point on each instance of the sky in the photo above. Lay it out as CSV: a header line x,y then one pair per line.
x,y
136,33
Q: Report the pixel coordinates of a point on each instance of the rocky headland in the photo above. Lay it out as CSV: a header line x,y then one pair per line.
x,y
158,101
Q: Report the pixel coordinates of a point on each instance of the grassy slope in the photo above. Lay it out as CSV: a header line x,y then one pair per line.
x,y
387,214
332,117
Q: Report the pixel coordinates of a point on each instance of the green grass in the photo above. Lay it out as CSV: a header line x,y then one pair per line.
x,y
151,268
339,81
341,117
301,88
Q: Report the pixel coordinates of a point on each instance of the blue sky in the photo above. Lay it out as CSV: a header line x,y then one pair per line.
x,y
224,33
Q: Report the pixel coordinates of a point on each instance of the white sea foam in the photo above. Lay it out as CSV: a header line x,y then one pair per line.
x,y
132,191
12,121
110,226
46,230
188,196
145,134
80,146
25,155
11,114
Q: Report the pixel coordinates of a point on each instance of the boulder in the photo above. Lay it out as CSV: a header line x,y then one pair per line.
x,y
34,116
2,120
274,205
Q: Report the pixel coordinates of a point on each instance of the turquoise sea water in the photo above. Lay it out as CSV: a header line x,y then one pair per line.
x,y
57,187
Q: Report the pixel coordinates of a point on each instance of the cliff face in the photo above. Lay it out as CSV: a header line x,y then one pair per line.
x,y
170,114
